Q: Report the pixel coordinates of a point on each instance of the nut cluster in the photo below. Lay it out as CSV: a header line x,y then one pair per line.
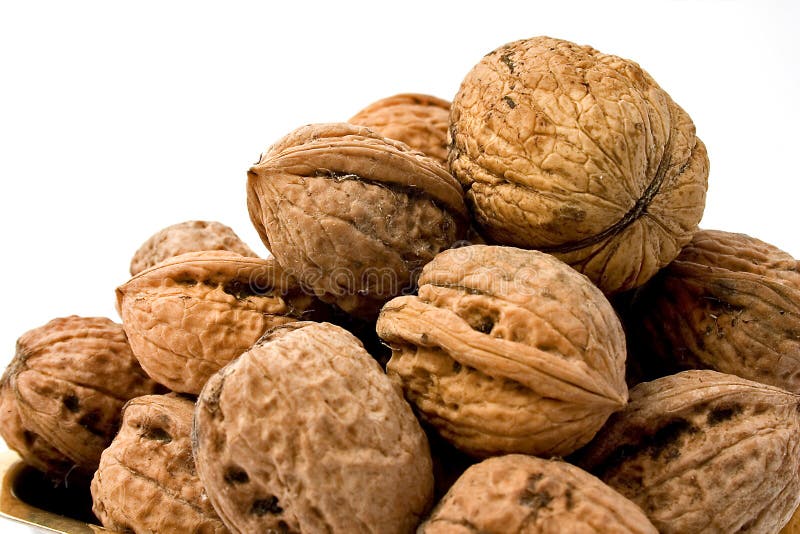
x,y
433,325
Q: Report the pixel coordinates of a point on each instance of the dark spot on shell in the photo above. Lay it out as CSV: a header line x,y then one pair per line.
x,y
283,527
236,475
456,366
266,506
186,282
91,422
510,102
723,413
239,289
506,59
485,325
664,441
533,498
156,434
72,403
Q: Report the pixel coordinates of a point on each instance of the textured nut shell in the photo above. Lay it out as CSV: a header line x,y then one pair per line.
x,y
523,494
304,433
729,302
32,448
189,236
578,153
507,350
147,480
190,315
353,215
71,378
793,526
702,451
420,121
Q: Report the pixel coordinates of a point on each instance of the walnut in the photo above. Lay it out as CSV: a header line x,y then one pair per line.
x,y
68,381
507,350
352,215
420,121
728,302
304,433
702,451
517,493
147,480
190,315
189,236
580,154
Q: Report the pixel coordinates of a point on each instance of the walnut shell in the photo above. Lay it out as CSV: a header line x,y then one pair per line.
x,y
189,236
352,215
420,121
304,433
507,350
147,480
69,380
580,154
728,302
702,451
190,315
517,493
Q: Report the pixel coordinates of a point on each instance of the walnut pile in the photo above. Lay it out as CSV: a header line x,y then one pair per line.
x,y
189,236
147,481
517,493
507,350
580,154
432,324
305,433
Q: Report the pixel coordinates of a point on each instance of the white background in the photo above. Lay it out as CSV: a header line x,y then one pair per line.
x,y
117,119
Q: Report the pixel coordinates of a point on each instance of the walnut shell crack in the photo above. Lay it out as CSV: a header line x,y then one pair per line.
x,y
418,120
581,154
507,350
352,215
305,433
702,451
190,315
189,236
147,481
517,493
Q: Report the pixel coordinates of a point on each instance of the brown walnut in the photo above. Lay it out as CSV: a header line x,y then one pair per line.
x,y
352,215
507,350
190,315
728,302
305,433
527,495
147,480
189,236
580,154
68,382
420,121
702,451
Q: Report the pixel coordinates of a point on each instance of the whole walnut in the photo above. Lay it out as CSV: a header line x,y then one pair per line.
x,y
507,350
420,121
190,315
517,493
352,215
189,236
580,154
305,433
728,302
67,384
702,451
147,481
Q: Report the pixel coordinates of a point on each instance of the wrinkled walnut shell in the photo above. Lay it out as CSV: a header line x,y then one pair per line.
x,y
702,451
507,350
580,154
147,480
69,380
352,215
189,236
190,315
523,494
304,433
728,302
420,121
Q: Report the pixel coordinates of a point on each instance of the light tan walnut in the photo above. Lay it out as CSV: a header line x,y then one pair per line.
x,y
507,350
305,433
581,154
527,495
